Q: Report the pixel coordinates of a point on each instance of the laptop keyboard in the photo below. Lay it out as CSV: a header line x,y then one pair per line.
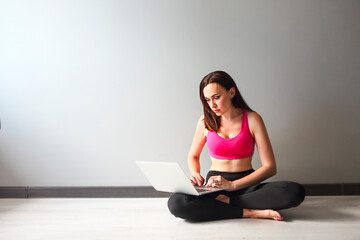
x,y
203,189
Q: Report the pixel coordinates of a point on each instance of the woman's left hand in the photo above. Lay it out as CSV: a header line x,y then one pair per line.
x,y
219,182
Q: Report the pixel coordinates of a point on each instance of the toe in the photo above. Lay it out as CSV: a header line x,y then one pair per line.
x,y
277,216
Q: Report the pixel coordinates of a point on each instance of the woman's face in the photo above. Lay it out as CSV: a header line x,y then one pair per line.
x,y
218,98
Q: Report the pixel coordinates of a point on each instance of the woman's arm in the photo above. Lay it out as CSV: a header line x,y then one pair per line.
x,y
197,145
266,154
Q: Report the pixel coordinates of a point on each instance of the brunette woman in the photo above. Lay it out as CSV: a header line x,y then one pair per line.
x,y
231,130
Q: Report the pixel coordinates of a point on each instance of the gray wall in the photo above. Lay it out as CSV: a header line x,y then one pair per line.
x,y
89,87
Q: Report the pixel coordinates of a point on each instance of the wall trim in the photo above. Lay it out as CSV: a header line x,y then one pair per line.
x,y
330,189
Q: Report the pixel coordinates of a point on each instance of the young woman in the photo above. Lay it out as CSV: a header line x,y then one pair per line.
x,y
231,129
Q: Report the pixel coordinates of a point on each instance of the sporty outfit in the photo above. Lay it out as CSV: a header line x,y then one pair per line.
x,y
268,195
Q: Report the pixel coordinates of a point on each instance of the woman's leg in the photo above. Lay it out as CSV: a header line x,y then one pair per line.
x,y
205,207
270,195
273,195
254,213
201,208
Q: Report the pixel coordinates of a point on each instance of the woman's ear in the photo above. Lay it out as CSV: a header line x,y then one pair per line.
x,y
232,92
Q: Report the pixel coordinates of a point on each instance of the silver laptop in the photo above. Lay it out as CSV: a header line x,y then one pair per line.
x,y
169,177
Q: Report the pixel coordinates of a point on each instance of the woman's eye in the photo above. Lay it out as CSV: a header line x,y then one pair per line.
x,y
217,97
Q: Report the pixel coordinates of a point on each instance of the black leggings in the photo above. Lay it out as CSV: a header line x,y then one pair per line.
x,y
269,195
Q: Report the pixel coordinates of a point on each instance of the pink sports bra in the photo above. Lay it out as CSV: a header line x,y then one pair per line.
x,y
240,146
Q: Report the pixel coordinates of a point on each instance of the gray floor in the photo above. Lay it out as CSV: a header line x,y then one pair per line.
x,y
139,218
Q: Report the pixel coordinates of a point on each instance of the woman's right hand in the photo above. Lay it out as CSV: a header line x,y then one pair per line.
x,y
197,179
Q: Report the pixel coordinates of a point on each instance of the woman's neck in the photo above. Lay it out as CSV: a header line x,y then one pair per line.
x,y
231,115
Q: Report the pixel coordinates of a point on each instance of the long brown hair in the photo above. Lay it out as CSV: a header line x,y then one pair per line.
x,y
211,120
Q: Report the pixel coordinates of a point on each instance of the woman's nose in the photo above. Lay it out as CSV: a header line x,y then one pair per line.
x,y
213,104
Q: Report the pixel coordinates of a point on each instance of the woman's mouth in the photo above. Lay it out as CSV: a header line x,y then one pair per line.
x,y
216,110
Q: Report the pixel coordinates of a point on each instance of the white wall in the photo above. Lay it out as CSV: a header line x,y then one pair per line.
x,y
89,87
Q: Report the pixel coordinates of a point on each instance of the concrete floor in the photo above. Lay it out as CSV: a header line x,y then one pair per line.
x,y
148,218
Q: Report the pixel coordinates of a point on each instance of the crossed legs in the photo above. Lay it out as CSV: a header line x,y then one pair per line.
x,y
264,196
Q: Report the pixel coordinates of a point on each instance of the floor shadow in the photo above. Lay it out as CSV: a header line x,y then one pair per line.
x,y
317,209
325,209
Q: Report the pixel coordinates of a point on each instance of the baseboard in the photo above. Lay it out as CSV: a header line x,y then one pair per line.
x,y
80,192
333,189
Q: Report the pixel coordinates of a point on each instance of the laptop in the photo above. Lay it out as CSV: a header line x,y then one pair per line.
x,y
169,177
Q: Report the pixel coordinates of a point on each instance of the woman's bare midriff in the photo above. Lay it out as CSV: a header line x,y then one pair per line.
x,y
233,165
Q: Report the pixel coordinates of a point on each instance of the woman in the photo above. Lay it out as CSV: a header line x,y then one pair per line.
x,y
231,130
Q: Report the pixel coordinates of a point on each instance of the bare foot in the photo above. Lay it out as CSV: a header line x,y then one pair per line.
x,y
223,198
268,213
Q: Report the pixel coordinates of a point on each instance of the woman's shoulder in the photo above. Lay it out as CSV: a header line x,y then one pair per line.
x,y
255,121
201,125
253,116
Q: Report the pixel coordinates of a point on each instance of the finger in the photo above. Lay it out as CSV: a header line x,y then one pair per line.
x,y
216,182
210,182
214,178
202,180
207,183
193,180
197,181
211,179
